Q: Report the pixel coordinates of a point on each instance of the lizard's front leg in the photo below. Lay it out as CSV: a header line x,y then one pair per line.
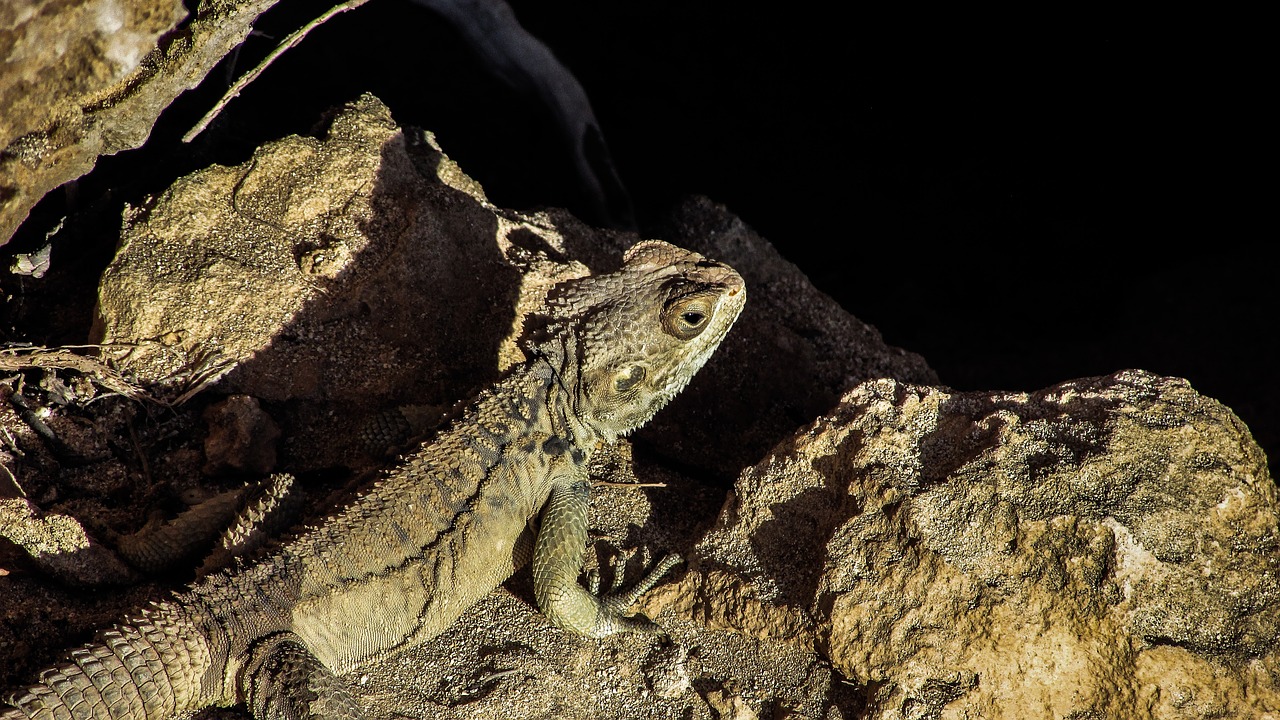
x,y
557,562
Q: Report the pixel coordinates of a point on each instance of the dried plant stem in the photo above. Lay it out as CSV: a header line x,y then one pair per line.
x,y
252,75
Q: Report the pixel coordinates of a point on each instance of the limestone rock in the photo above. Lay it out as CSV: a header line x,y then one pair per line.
x,y
1103,548
84,78
320,274
59,545
242,438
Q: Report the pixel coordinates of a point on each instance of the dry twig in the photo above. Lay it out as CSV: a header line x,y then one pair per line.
x,y
289,42
62,358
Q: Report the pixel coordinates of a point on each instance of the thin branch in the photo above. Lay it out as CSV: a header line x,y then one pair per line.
x,y
610,483
33,356
252,75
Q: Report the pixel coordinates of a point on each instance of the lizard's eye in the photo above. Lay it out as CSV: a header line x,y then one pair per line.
x,y
692,318
686,318
628,377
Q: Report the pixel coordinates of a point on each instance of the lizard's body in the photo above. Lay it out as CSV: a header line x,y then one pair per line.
x,y
455,519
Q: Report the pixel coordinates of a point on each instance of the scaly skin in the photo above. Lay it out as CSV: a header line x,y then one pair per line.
x,y
399,566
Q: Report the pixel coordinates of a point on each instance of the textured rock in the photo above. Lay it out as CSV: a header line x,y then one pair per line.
x,y
59,545
1102,548
242,438
58,52
1105,548
323,273
84,78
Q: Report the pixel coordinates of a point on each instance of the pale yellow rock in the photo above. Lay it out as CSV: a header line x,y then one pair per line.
x,y
1105,548
84,78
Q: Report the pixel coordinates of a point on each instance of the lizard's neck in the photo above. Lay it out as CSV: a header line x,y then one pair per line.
x,y
540,397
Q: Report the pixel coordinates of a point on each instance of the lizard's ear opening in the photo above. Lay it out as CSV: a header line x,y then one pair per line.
x,y
627,378
685,318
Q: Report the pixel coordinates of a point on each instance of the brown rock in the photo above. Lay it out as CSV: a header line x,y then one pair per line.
x,y
1090,550
327,273
58,545
85,78
242,438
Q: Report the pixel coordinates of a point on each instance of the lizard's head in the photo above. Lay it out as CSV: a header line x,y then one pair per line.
x,y
639,334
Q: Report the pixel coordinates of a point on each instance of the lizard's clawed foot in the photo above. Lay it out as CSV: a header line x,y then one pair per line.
x,y
617,599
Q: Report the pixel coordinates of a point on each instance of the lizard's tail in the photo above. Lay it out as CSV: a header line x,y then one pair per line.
x,y
142,669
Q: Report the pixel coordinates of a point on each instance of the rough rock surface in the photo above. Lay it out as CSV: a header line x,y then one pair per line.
x,y
1102,549
84,78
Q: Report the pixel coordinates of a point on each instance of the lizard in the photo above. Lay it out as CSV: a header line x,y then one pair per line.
x,y
504,485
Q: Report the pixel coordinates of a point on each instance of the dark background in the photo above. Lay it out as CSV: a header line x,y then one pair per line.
x,y
1022,201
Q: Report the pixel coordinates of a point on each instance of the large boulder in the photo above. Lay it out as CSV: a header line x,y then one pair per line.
x,y
1106,547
